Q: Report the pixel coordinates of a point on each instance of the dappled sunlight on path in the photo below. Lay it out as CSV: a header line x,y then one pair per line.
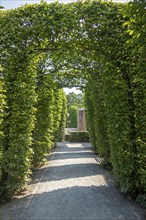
x,y
72,185
78,181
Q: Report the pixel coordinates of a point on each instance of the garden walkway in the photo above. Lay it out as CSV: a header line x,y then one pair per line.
x,y
72,185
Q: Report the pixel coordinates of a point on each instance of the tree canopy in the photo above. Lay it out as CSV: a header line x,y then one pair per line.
x,y
75,99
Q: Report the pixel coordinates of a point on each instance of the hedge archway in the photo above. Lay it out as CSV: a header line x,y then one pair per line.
x,y
95,44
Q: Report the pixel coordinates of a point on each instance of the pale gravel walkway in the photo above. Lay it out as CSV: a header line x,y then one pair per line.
x,y
72,185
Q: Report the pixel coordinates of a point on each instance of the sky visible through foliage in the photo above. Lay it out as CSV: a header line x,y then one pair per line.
x,y
8,4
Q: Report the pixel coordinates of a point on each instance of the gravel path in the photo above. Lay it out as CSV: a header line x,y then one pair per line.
x,y
72,185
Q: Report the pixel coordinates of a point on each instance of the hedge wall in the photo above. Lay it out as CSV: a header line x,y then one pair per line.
x,y
72,119
90,117
28,123
136,26
62,125
43,132
59,115
18,124
79,136
121,91
96,118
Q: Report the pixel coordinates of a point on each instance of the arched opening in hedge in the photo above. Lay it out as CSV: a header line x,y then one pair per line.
x,y
46,46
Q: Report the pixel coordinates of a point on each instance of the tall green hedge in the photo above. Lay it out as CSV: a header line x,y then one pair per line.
x,y
62,126
59,114
90,117
18,125
136,26
79,136
123,96
119,115
43,132
97,112
72,119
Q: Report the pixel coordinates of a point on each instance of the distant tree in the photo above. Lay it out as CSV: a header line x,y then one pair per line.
x,y
74,102
72,116
75,99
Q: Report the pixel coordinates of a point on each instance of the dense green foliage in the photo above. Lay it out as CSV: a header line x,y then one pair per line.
x,y
115,102
79,136
96,119
50,115
72,119
42,134
59,114
62,126
75,99
74,103
136,27
98,44
18,124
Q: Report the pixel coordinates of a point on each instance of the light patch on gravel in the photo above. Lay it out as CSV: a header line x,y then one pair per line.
x,y
94,180
71,162
75,152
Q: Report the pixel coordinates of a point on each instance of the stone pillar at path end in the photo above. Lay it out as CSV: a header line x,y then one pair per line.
x,y
82,120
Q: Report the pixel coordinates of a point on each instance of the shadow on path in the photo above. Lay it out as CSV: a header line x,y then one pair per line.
x,y
72,171
73,186
63,156
74,203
